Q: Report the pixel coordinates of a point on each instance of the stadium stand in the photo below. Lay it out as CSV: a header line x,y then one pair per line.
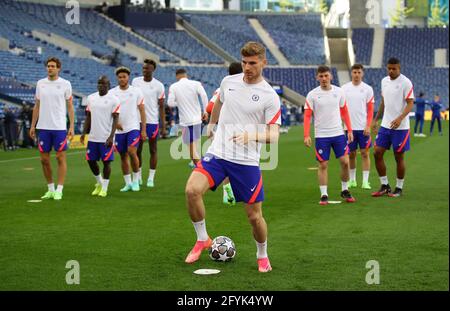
x,y
362,39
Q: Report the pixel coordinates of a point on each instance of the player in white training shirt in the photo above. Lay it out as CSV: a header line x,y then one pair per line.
x,y
249,115
327,103
184,94
131,128
153,91
53,94
360,101
397,101
102,116
228,196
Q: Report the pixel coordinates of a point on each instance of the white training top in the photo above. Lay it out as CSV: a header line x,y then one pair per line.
x,y
358,98
184,95
153,91
246,108
395,93
325,106
53,108
130,99
102,109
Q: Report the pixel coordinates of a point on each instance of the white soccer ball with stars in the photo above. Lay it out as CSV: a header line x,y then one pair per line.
x,y
222,249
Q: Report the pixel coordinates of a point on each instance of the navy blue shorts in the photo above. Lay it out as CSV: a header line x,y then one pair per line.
x,y
191,133
245,180
359,139
399,139
123,141
99,151
324,145
52,138
152,130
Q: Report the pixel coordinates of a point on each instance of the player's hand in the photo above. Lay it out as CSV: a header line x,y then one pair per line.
x,y
82,139
366,131
350,137
163,132
33,133
119,127
70,133
240,139
307,141
205,116
210,130
375,127
144,135
109,142
396,123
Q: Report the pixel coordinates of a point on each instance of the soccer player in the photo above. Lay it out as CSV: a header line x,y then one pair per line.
x,y
420,112
153,91
53,100
249,115
184,94
127,138
397,101
327,103
102,116
436,107
360,101
228,195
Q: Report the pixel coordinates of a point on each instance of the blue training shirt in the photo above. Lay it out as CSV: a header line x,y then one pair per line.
x,y
436,107
420,105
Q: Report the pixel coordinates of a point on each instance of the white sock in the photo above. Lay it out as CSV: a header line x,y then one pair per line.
x,y
105,184
200,229
151,174
98,179
127,179
135,176
51,187
400,183
384,180
140,173
261,249
353,174
344,185
323,190
366,176
59,188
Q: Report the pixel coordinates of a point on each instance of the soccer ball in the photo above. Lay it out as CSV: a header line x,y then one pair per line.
x,y
222,249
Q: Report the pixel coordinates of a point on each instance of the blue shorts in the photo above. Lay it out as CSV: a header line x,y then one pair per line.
x,y
125,140
191,133
398,138
324,145
52,138
152,130
245,180
359,139
99,151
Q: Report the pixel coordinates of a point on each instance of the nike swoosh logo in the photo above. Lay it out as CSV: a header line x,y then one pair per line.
x,y
253,188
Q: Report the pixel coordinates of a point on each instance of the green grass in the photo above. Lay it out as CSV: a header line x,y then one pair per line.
x,y
138,241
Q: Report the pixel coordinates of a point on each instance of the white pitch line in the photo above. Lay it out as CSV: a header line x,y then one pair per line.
x,y
32,158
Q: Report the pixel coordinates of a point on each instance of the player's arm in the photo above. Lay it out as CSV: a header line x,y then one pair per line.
x,y
308,113
141,108
110,139
35,118
215,114
86,126
379,114
370,107
409,106
71,112
171,100
162,115
345,116
204,101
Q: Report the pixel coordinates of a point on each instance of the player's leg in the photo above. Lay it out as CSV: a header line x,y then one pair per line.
x,y
228,195
432,124
60,146
439,125
401,139
153,149
341,150
45,145
365,159
133,138
353,146
121,148
92,156
383,142
107,157
322,150
416,123
422,119
139,155
259,227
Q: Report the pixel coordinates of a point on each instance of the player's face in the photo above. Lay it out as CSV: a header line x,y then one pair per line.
x,y
324,78
252,67
393,70
122,78
436,98
147,70
357,75
52,69
103,86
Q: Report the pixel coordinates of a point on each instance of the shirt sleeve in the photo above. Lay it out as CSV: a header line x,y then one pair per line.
x,y
140,97
38,91
162,93
272,113
309,103
370,96
88,108
408,90
171,100
342,101
203,96
116,105
68,92
222,91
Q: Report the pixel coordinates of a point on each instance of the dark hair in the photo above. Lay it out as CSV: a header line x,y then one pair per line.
x,y
180,71
234,68
393,61
421,94
357,67
150,62
55,60
323,69
122,69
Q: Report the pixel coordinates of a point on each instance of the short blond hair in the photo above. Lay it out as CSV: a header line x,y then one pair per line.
x,y
252,48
